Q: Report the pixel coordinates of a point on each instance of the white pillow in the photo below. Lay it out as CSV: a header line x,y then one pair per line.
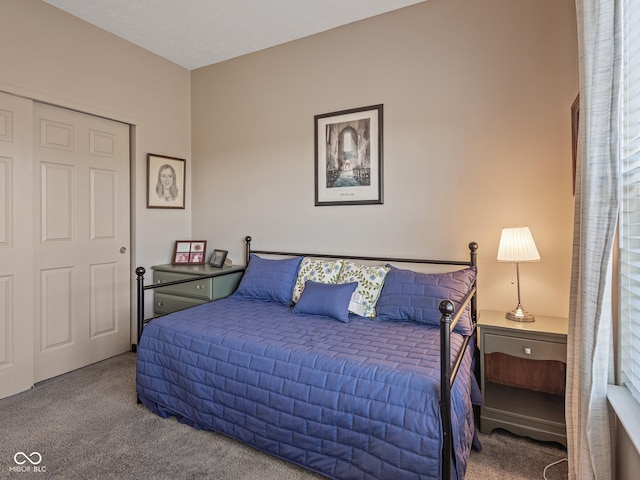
x,y
320,271
370,280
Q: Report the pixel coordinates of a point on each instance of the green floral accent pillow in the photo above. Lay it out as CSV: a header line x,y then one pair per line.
x,y
320,271
370,280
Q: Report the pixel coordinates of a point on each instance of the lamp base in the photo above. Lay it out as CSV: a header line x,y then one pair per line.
x,y
520,315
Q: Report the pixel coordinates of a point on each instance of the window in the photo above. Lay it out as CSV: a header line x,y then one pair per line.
x,y
630,211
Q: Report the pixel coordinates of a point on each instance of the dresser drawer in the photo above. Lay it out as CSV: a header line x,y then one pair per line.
x,y
163,303
524,348
198,288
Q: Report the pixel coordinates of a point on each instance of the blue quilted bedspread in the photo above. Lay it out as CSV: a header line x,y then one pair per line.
x,y
347,400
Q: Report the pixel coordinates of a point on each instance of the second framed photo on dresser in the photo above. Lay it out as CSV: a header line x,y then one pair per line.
x,y
217,258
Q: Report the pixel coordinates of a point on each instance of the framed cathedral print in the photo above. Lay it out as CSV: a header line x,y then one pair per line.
x,y
348,157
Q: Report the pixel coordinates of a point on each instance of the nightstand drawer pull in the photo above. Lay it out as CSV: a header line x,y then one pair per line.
x,y
527,350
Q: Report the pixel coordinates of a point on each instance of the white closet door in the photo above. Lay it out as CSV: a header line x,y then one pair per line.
x,y
16,244
82,262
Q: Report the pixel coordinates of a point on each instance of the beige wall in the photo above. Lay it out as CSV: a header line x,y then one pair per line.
x,y
54,57
477,100
476,131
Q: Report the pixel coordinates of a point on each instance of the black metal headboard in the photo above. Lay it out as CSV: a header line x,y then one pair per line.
x,y
472,262
473,247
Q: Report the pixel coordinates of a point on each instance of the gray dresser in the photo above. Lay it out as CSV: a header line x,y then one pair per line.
x,y
208,284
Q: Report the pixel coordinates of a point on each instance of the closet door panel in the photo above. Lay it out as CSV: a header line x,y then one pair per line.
x,y
83,252
16,245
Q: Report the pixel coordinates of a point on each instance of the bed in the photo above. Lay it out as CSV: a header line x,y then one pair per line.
x,y
344,394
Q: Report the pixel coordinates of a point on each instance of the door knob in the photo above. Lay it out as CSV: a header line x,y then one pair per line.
x,y
123,250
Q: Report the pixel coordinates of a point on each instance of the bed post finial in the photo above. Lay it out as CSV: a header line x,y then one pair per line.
x,y
247,249
446,307
473,253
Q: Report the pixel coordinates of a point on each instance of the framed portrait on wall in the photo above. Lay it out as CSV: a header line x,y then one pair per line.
x,y
348,157
165,181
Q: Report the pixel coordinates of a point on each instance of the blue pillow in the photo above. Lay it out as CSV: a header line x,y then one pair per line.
x,y
414,296
331,300
270,280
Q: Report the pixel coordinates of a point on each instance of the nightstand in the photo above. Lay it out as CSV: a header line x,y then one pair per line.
x,y
523,374
208,284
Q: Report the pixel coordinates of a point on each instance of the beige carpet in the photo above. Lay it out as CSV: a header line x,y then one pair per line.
x,y
86,425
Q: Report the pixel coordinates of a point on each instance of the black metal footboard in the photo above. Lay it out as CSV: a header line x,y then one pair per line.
x,y
448,374
141,288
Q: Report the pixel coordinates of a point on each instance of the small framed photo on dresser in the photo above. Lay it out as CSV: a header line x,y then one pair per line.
x,y
189,252
218,257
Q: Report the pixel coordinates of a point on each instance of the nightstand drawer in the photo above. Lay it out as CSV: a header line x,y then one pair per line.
x,y
200,288
524,348
163,304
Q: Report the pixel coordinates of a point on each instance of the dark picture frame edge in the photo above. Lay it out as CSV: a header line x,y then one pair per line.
x,y
218,258
172,196
378,161
575,122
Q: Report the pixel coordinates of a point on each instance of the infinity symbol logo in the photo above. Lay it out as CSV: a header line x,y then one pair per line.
x,y
26,458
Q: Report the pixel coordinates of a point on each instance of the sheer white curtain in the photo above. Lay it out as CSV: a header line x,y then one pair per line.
x,y
589,365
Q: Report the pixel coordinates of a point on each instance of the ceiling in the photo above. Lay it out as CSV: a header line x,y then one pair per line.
x,y
195,33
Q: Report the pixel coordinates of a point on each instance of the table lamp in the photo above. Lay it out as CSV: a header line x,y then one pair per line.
x,y
517,246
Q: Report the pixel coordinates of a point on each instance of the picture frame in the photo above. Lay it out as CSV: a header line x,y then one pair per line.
x,y
349,157
165,181
189,252
218,257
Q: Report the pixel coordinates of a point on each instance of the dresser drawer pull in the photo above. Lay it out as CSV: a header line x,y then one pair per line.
x,y
160,304
199,287
527,350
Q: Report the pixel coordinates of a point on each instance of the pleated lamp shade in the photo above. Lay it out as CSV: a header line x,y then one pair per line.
x,y
517,246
